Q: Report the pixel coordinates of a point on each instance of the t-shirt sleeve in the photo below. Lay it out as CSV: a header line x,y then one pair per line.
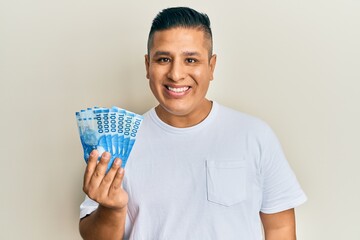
x,y
87,207
281,189
128,227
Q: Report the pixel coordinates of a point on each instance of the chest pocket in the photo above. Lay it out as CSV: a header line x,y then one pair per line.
x,y
226,182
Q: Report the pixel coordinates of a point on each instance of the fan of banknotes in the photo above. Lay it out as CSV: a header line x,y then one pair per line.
x,y
112,130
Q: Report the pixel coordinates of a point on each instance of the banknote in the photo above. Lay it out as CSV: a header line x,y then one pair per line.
x,y
90,136
120,122
127,128
113,130
136,122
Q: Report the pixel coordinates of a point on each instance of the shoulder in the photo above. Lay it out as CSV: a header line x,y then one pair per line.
x,y
239,119
148,115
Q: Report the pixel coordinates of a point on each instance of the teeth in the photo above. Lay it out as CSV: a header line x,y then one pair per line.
x,y
178,90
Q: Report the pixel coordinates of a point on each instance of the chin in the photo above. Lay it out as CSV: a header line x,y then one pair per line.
x,y
177,110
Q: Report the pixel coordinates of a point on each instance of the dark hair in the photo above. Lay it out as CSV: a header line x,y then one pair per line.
x,y
180,17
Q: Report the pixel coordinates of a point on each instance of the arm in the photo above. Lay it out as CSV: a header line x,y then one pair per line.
x,y
279,226
103,223
108,221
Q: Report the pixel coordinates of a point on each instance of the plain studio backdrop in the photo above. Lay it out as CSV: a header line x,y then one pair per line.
x,y
295,64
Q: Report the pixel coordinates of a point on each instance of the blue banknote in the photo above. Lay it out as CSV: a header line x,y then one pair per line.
x,y
112,130
90,137
136,122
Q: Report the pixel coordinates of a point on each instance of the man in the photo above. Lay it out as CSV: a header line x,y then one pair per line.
x,y
199,170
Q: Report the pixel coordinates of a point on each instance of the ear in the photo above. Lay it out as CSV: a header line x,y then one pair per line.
x,y
147,63
212,64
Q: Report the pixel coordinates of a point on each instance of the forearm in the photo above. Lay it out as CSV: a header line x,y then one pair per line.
x,y
279,226
103,223
285,233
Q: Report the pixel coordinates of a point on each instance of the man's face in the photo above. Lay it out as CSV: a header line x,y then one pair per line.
x,y
179,70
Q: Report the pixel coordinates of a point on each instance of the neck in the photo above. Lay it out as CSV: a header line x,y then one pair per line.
x,y
186,120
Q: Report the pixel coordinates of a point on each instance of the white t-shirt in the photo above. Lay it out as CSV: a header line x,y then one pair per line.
x,y
205,182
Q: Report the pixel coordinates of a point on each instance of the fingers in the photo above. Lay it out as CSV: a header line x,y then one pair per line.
x,y
90,168
100,170
116,183
109,177
99,185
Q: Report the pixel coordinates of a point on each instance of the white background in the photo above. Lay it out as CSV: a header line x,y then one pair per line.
x,y
294,64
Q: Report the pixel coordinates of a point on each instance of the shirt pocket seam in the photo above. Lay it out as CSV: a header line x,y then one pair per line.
x,y
226,182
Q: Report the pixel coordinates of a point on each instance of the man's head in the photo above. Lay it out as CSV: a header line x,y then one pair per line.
x,y
180,17
180,65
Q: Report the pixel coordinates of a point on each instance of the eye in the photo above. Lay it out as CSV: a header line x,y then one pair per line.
x,y
163,60
191,60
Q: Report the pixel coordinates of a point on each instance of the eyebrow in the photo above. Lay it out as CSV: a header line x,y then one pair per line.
x,y
159,53
191,53
186,53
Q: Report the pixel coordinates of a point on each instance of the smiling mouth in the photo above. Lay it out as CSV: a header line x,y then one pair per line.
x,y
178,89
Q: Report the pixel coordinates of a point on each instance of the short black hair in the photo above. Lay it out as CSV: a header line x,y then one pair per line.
x,y
180,17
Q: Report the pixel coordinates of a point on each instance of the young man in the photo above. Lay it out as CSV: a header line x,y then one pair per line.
x,y
199,170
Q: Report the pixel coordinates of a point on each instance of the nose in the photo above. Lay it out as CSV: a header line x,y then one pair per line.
x,y
177,71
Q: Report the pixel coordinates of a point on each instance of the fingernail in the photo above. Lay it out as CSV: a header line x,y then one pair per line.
x,y
106,155
93,153
117,162
121,170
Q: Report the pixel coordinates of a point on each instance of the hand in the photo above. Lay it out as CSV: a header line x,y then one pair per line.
x,y
105,188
